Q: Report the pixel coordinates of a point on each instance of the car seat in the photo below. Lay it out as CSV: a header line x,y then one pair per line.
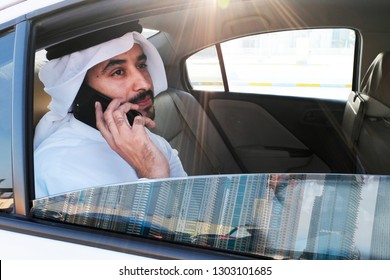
x,y
373,144
181,120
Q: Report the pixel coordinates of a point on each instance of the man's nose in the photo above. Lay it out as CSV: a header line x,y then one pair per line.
x,y
141,81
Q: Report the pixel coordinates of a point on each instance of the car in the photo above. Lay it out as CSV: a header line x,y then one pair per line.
x,y
279,111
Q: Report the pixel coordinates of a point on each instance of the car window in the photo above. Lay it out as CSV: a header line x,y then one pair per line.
x,y
6,73
204,70
282,216
316,63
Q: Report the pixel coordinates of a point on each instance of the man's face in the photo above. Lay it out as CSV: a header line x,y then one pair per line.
x,y
126,77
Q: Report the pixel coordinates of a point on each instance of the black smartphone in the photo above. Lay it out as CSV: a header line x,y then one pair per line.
x,y
84,105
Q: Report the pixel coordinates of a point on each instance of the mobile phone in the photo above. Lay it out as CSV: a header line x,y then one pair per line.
x,y
84,105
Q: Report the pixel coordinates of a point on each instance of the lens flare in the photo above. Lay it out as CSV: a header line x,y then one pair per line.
x,y
223,4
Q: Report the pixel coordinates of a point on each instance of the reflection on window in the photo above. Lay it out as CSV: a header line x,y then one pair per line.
x,y
6,199
305,63
270,215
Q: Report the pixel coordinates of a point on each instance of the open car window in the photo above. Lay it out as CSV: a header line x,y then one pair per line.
x,y
277,216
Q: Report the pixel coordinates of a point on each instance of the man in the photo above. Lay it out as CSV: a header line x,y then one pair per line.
x,y
69,154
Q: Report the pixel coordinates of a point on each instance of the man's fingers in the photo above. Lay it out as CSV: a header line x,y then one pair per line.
x,y
149,123
126,107
99,116
117,105
102,125
120,118
143,121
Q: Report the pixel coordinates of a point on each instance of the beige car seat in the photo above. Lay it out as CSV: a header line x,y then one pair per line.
x,y
181,120
374,138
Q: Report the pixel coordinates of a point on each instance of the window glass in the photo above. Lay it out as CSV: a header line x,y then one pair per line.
x,y
204,70
282,216
304,63
6,72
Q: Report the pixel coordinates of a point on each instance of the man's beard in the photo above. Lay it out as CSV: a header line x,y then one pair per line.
x,y
149,111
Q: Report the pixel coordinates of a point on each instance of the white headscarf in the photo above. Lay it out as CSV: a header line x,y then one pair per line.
x,y
63,77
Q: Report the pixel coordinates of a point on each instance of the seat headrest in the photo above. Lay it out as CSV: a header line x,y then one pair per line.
x,y
376,81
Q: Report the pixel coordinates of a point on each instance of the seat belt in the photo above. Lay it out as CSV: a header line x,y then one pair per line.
x,y
360,114
360,107
195,129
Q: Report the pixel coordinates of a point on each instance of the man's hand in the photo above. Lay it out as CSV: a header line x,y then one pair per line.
x,y
132,143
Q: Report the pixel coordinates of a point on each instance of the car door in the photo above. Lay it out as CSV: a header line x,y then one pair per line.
x,y
278,99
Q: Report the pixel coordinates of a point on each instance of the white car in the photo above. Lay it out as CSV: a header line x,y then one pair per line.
x,y
279,111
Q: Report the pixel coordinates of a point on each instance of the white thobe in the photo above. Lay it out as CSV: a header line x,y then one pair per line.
x,y
76,156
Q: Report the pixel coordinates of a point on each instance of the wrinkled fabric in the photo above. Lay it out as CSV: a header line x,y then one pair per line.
x,y
62,77
76,156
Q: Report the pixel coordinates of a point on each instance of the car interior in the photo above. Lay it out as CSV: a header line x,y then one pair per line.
x,y
231,132
182,121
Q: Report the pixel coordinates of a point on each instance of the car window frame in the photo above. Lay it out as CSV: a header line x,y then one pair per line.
x,y
6,159
22,148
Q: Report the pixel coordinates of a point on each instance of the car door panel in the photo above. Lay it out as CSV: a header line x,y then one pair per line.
x,y
279,133
266,144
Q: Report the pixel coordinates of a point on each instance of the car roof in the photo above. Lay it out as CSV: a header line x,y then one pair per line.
x,y
12,10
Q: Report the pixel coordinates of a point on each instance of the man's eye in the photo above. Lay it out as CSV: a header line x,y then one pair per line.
x,y
118,72
142,65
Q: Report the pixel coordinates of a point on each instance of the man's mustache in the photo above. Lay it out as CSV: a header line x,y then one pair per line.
x,y
141,96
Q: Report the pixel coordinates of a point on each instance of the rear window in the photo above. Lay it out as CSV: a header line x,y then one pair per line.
x,y
315,63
